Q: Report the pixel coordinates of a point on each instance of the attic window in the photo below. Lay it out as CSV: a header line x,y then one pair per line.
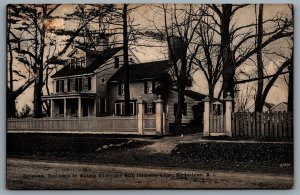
x,y
78,62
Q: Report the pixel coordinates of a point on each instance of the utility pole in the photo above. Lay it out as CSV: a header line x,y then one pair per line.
x,y
126,64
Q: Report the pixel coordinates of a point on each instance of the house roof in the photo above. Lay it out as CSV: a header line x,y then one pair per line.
x,y
93,63
142,71
268,105
194,95
274,106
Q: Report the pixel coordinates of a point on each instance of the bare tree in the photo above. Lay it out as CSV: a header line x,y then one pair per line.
x,y
238,41
35,22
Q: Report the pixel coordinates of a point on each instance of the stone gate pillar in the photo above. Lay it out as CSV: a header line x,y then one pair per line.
x,y
159,115
141,111
228,115
206,116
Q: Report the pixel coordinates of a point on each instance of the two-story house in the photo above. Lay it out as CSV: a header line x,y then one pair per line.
x,y
92,84
80,87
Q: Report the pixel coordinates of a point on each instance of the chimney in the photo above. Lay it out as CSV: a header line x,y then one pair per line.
x,y
176,46
101,42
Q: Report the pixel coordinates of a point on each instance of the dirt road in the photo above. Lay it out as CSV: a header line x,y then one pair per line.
x,y
29,174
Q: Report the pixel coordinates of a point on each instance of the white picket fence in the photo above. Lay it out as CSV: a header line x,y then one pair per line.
x,y
111,124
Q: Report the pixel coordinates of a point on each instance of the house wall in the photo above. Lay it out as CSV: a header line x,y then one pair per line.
x,y
169,108
136,92
103,74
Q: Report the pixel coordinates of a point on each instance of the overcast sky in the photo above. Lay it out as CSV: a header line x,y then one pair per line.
x,y
143,14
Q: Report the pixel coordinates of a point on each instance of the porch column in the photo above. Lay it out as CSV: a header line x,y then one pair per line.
x,y
79,107
159,115
52,108
228,114
141,111
65,107
206,117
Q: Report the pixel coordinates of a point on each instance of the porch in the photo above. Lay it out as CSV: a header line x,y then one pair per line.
x,y
72,105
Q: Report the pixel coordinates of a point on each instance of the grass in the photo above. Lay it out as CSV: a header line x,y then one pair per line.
x,y
258,157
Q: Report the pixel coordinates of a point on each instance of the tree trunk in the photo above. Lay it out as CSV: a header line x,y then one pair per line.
x,y
259,103
180,103
126,65
227,54
38,90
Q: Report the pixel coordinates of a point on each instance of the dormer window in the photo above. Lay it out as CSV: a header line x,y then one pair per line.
x,y
78,62
73,62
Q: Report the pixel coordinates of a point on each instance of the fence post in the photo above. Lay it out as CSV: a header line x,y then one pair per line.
x,y
159,115
228,111
141,112
206,117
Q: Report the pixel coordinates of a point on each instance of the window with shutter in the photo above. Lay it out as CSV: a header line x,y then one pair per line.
x,y
150,108
145,87
121,89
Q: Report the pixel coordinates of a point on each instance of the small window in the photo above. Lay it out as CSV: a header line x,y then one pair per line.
x,y
150,107
121,89
103,80
118,108
117,62
149,86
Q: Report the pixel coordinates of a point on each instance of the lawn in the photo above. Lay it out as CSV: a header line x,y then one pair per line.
x,y
258,157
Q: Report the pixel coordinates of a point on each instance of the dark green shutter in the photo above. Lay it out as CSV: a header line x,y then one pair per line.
x,y
57,86
145,87
62,86
153,87
119,88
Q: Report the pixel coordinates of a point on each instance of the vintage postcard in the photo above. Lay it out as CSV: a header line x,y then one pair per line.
x,y
150,96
